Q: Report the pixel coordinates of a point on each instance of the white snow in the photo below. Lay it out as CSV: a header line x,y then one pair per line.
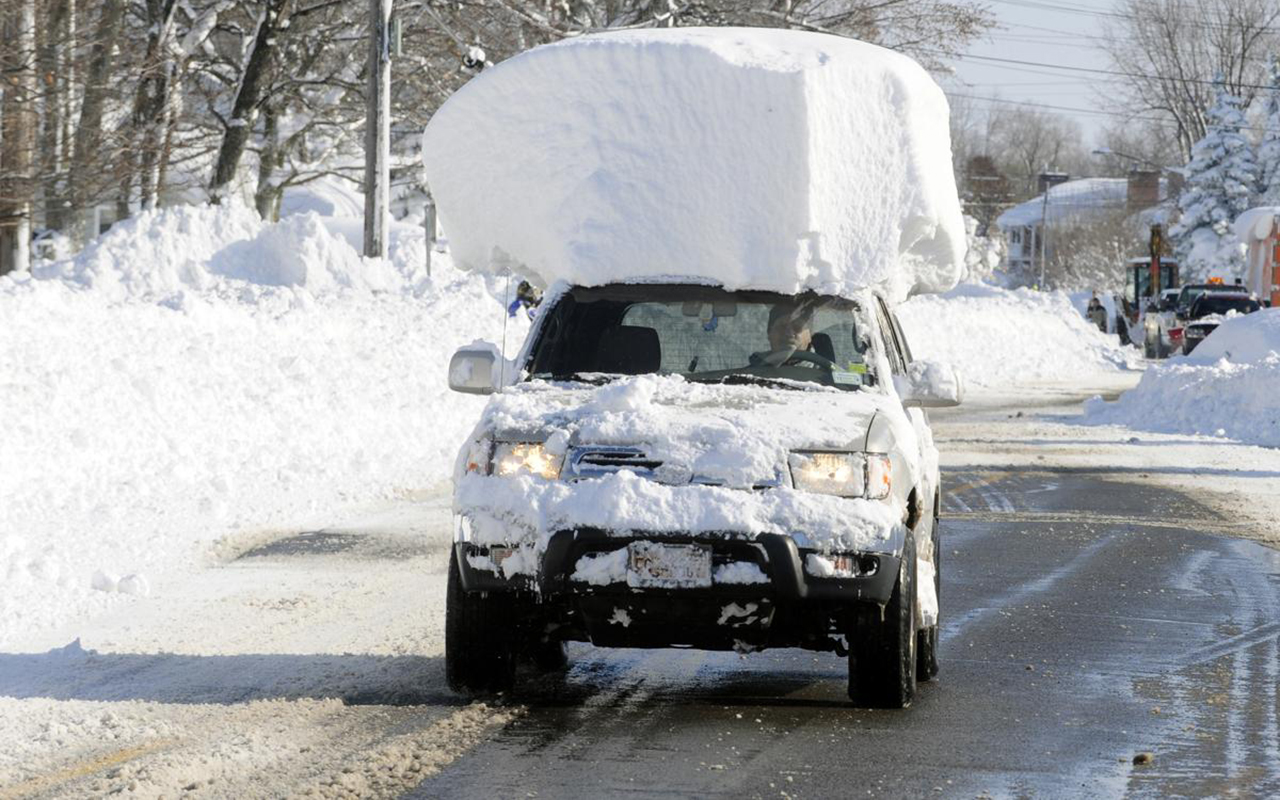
x,y
1069,202
196,377
740,572
754,158
1000,338
1228,387
734,614
601,569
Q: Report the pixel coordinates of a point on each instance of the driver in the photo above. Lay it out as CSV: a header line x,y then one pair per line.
x,y
790,326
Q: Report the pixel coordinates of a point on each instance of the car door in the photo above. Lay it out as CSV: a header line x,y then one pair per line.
x,y
899,359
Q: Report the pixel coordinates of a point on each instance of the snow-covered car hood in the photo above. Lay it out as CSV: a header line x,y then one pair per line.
x,y
722,455
736,436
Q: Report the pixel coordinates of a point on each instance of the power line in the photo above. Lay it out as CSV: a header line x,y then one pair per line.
x,y
1092,70
1095,12
1092,111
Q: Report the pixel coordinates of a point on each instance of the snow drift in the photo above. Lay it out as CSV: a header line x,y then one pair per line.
x,y
762,159
196,375
999,338
1229,386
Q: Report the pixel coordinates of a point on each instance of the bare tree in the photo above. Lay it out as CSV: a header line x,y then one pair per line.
x,y
18,122
1168,52
1030,141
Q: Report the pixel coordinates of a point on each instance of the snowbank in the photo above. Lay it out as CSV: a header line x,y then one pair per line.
x,y
756,158
996,337
196,375
1229,386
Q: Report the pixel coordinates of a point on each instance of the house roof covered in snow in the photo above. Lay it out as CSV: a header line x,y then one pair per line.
x,y
1081,199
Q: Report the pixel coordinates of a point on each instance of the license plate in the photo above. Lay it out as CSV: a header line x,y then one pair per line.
x,y
651,565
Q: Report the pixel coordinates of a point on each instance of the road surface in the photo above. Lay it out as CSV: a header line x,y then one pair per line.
x,y
1086,622
1089,618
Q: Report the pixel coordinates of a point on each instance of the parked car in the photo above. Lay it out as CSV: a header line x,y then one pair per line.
x,y
1165,325
1209,310
684,466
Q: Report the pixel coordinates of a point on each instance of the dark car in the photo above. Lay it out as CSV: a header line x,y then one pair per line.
x,y
1208,310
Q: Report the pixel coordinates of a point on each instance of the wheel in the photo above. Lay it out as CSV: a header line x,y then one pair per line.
x,y
882,645
927,640
549,656
1148,350
478,654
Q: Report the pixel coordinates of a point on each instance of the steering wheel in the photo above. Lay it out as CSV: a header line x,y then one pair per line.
x,y
812,358
788,356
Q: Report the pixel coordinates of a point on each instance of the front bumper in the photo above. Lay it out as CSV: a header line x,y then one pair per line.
x,y
777,556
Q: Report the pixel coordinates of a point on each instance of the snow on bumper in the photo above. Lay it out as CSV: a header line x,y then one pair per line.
x,y
573,529
527,511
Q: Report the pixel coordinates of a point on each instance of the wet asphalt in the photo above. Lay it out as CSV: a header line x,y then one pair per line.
x,y
1088,624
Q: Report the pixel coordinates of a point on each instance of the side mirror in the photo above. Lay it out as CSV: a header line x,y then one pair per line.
x,y
471,369
929,384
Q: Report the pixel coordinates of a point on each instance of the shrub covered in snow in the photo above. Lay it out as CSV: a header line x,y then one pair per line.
x,y
1221,179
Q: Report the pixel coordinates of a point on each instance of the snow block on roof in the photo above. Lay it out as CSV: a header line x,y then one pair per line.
x,y
761,159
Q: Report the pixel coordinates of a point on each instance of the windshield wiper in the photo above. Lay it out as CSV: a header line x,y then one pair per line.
x,y
741,378
593,378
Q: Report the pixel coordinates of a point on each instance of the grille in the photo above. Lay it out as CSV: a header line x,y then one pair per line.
x,y
592,461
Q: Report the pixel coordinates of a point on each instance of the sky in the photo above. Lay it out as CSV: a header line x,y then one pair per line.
x,y
1061,33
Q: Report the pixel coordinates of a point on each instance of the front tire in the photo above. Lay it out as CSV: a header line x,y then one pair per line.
x,y
479,657
882,644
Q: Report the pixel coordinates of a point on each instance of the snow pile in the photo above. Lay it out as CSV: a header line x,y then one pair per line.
x,y
983,254
755,158
197,376
997,337
227,252
1229,386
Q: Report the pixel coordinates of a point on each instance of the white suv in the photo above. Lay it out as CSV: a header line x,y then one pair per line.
x,y
680,465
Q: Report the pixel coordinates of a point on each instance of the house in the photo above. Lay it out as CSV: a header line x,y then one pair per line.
x,y
1259,230
1071,202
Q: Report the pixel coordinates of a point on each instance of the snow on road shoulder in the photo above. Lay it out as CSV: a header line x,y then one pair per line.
x,y
1229,387
998,338
196,375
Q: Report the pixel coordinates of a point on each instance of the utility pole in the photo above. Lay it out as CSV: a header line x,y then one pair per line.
x,y
429,227
377,134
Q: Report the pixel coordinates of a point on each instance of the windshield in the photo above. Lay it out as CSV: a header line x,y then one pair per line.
x,y
1211,304
1190,294
704,334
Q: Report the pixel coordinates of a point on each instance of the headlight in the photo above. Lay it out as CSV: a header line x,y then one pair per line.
x,y
511,459
866,475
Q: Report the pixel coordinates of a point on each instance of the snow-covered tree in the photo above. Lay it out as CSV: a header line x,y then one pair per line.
x,y
1269,147
1221,177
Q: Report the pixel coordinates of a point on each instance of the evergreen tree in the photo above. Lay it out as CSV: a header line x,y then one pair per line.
x,y
1221,178
1269,147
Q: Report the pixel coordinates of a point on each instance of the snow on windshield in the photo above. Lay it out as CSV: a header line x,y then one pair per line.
x,y
760,159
